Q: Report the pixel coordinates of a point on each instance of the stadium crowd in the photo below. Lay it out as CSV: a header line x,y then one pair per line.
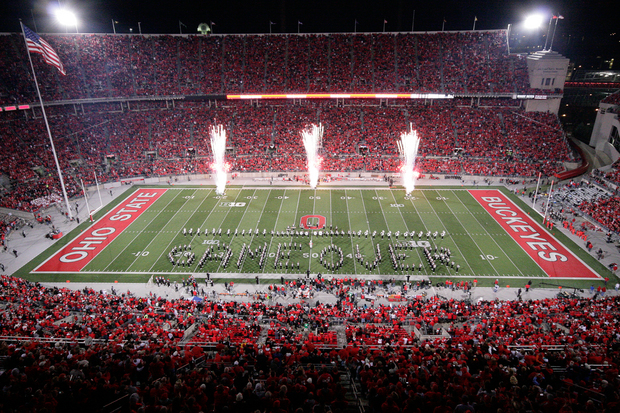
x,y
148,139
66,350
102,65
593,196
613,174
605,210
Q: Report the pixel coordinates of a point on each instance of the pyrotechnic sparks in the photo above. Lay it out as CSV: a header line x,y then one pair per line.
x,y
218,146
312,139
409,142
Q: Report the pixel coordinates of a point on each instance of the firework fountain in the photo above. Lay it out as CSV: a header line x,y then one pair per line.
x,y
219,166
312,137
409,142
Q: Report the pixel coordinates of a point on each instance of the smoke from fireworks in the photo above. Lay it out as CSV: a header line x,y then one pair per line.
x,y
218,146
409,149
312,138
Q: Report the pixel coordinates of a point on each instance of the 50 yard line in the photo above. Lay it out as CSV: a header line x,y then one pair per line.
x,y
309,232
374,251
350,229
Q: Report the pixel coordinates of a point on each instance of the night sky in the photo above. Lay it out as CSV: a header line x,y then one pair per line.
x,y
590,24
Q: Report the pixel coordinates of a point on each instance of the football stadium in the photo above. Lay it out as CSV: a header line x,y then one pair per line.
x,y
306,222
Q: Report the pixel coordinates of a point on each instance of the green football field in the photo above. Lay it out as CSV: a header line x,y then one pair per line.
x,y
159,242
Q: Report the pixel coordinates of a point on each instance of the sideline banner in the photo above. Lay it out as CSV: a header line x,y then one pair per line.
x,y
541,246
79,252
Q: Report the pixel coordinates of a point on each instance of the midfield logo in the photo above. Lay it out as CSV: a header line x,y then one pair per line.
x,y
313,222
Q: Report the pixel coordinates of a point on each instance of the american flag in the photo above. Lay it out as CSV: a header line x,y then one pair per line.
x,y
37,45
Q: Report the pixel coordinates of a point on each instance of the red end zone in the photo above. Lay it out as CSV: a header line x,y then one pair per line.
x,y
542,247
84,248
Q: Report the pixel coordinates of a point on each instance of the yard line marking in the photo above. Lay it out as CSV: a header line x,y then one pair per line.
x,y
203,224
247,208
275,225
146,248
422,259
374,250
165,251
387,225
350,229
331,223
313,213
170,243
253,233
448,232
90,243
548,253
489,235
219,265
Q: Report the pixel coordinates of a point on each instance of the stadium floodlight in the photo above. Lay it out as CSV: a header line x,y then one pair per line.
x,y
534,21
66,18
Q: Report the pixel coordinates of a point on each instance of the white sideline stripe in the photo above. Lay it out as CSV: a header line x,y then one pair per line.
x,y
299,276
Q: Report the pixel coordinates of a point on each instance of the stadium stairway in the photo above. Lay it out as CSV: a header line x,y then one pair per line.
x,y
341,335
355,402
262,338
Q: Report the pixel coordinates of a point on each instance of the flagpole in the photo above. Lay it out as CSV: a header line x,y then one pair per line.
x,y
355,27
508,37
90,215
475,20
98,190
548,32
413,20
548,200
536,192
555,27
34,21
383,25
443,25
47,126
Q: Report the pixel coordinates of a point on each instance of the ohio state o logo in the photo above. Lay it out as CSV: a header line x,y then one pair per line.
x,y
313,222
